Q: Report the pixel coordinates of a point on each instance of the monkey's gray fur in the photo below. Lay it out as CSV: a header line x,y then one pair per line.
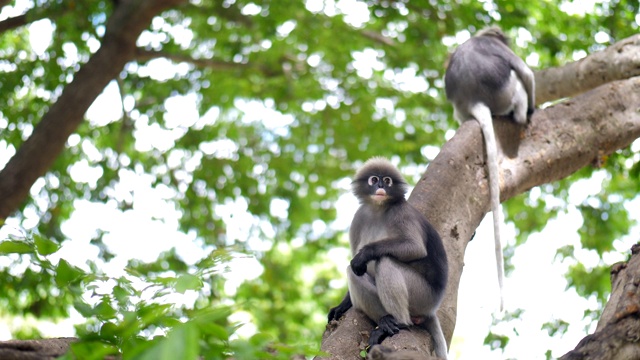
x,y
486,78
399,271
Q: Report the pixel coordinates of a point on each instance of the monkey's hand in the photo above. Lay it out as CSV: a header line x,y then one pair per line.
x,y
337,312
359,262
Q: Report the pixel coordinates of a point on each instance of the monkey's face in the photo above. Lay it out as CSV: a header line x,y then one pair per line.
x,y
379,183
378,188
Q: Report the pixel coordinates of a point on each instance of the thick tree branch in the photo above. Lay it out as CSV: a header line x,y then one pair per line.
x,y
559,141
454,192
29,17
617,62
12,23
44,349
38,153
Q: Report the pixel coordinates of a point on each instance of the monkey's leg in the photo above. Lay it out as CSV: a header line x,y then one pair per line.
x,y
392,279
391,283
364,295
519,101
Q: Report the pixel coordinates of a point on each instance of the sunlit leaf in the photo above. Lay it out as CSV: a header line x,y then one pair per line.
x,y
45,246
15,247
67,273
180,343
188,282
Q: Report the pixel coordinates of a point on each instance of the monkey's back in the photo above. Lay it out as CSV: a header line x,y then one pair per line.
x,y
478,69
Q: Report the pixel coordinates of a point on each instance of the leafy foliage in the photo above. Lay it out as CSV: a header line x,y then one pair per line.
x,y
133,315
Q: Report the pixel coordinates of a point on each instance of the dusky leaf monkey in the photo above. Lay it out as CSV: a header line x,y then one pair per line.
x,y
399,271
485,78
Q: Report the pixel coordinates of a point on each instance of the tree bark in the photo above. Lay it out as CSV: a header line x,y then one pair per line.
x,y
617,62
617,336
45,349
454,193
37,154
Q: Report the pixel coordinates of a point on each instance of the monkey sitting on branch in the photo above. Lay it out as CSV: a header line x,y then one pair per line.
x,y
484,78
399,271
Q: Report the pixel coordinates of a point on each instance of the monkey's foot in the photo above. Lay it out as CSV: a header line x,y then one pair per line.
x,y
387,326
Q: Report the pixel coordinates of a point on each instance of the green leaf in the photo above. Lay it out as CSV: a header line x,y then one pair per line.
x,y
215,330
15,247
45,246
260,339
67,274
181,343
496,341
188,282
83,308
104,310
92,350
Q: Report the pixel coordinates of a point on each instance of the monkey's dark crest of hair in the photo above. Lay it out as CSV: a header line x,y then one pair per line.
x,y
496,32
399,270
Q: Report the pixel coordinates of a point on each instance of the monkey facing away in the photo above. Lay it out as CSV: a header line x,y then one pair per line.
x,y
399,271
486,78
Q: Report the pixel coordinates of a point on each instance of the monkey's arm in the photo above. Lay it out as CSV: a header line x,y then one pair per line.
x,y
336,312
405,249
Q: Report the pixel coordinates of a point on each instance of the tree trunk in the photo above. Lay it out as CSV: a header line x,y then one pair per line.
x,y
454,193
618,333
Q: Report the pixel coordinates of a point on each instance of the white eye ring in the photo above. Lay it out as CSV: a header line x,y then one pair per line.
x,y
373,180
387,181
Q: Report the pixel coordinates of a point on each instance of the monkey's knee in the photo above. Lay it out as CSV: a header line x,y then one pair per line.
x,y
519,115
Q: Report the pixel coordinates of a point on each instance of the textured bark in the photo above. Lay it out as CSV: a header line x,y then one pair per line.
x,y
618,333
619,61
37,154
45,349
351,333
12,23
454,193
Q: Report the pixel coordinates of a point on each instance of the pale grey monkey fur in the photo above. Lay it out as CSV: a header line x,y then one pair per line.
x,y
484,78
399,271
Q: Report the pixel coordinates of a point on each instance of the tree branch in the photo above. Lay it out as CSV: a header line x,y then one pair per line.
x,y
377,37
37,154
12,23
29,17
143,55
618,61
559,141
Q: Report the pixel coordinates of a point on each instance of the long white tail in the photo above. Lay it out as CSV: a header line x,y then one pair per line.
x,y
483,115
432,324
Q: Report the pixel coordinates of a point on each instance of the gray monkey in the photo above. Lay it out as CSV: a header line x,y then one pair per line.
x,y
399,271
484,78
